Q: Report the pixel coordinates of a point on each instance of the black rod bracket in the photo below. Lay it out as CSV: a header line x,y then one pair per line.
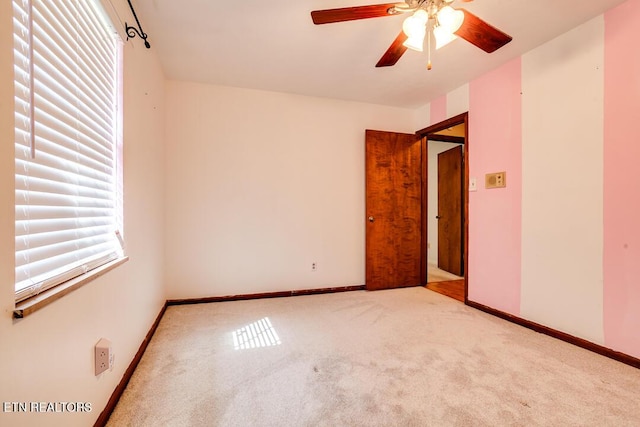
x,y
133,31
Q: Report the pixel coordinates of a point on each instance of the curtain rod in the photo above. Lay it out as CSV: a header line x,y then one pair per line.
x,y
133,31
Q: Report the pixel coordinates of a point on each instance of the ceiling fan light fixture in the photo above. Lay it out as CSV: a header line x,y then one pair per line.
x,y
443,36
450,18
415,25
415,43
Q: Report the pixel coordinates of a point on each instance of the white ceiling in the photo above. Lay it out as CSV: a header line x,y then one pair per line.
x,y
273,45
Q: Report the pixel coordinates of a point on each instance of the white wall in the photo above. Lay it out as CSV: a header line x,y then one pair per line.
x,y
562,186
48,356
262,184
458,101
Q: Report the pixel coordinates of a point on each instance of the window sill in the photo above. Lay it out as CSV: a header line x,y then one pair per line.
x,y
35,303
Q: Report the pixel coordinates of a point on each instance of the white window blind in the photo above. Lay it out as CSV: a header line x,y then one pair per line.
x,y
67,198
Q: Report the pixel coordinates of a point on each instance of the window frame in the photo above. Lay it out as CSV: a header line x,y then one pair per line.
x,y
36,300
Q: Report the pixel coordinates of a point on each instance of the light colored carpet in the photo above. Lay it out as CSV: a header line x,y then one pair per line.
x,y
405,357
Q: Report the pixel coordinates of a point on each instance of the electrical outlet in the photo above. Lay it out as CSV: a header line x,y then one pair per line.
x,y
103,356
314,266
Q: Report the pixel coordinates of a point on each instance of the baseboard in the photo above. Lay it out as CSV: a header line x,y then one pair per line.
x,y
117,393
588,345
279,294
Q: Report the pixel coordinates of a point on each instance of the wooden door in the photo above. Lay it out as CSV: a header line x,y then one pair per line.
x,y
450,203
393,210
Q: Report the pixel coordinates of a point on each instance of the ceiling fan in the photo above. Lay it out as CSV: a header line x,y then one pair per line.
x,y
428,16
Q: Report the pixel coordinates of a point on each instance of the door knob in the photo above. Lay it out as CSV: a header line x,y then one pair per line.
x,y
371,219
437,216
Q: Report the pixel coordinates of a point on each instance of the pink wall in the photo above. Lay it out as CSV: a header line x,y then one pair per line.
x,y
495,144
438,109
621,179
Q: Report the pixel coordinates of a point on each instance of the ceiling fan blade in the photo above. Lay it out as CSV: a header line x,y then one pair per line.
x,y
478,32
328,16
394,52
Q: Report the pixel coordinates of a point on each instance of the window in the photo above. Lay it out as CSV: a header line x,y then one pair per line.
x,y
68,198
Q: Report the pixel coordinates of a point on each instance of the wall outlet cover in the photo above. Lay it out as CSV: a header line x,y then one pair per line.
x,y
103,356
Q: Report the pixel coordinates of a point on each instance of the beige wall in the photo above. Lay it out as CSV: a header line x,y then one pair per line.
x,y
48,356
562,182
260,185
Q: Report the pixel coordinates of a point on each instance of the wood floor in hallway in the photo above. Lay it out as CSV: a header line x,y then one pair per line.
x,y
452,288
445,283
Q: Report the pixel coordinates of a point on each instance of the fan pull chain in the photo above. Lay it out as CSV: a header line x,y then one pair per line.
x,y
429,50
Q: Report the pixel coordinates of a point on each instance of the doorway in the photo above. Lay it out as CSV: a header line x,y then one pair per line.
x,y
446,204
396,171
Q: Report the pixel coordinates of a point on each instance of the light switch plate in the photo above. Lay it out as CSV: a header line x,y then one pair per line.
x,y
473,184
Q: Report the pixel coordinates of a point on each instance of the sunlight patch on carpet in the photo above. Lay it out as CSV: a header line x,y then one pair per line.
x,y
255,335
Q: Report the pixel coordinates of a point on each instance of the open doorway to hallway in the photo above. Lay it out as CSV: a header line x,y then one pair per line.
x,y
446,206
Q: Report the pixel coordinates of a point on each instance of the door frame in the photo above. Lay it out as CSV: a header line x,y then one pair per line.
x,y
424,134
